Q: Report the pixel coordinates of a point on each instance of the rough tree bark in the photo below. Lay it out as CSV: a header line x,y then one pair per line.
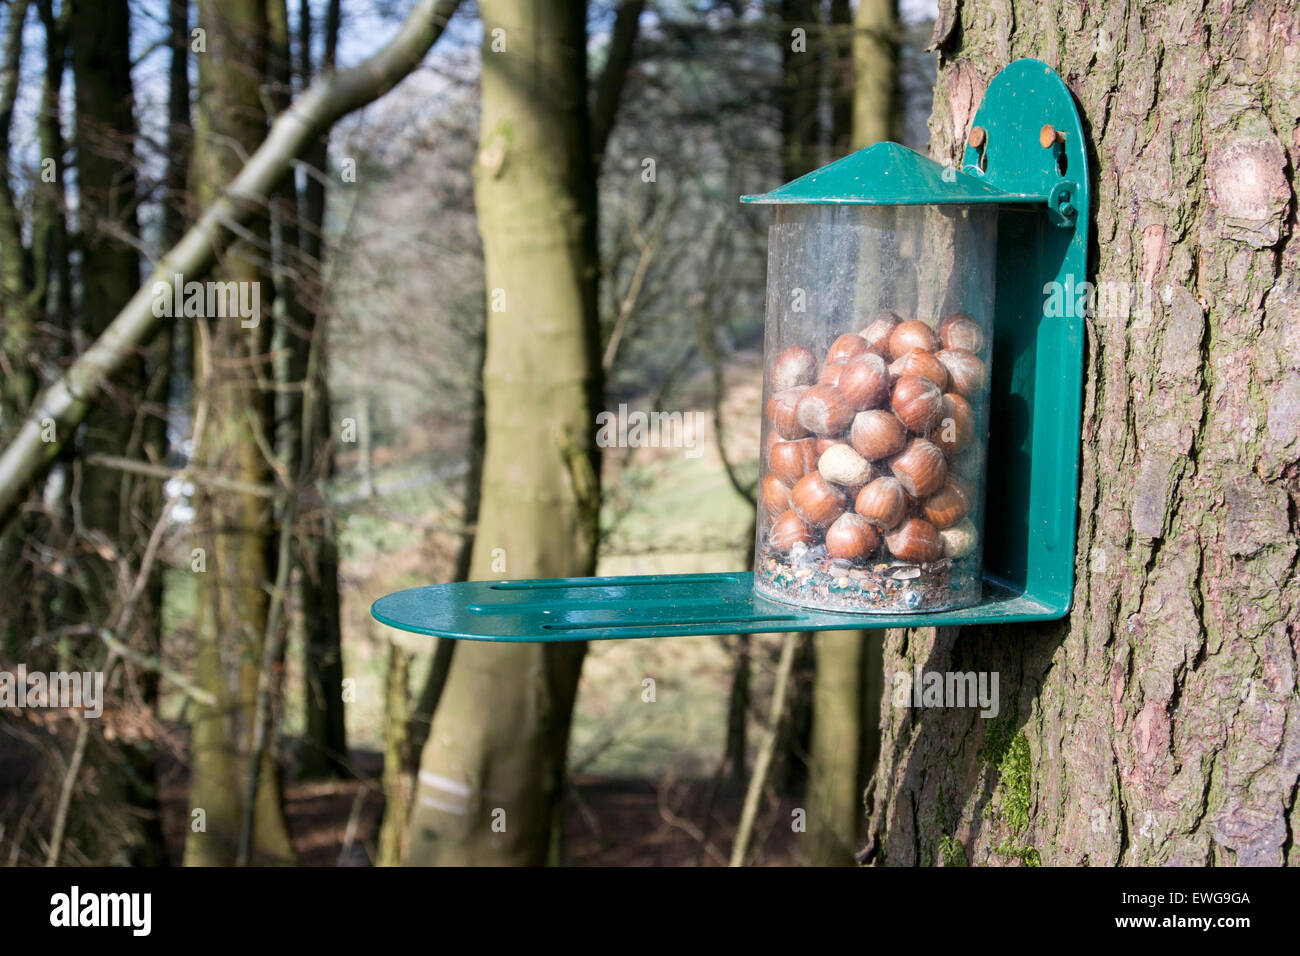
x,y
490,783
1157,723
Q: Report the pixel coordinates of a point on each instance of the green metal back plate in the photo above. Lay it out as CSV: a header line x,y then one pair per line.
x,y
1033,469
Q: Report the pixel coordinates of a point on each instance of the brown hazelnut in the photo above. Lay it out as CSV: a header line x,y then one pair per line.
x,y
960,539
824,444
817,501
915,540
960,331
877,434
847,346
823,411
843,466
921,363
776,496
787,531
966,372
921,468
780,412
912,334
916,401
831,372
877,333
851,538
948,505
956,425
883,503
864,382
791,460
795,366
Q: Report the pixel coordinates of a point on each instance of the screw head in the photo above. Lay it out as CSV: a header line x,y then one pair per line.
x,y
1048,136
977,137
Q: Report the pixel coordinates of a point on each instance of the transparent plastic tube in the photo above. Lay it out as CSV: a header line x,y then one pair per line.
x,y
875,397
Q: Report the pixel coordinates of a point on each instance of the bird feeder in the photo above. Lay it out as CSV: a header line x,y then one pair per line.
x,y
921,406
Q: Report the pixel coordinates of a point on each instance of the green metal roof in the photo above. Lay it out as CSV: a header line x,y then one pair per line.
x,y
888,174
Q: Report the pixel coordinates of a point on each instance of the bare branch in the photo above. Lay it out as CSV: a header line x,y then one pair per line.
x,y
66,401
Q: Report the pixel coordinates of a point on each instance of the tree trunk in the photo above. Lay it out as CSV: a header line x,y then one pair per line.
x,y
122,507
847,692
490,781
110,272
801,135
17,328
234,530
876,104
305,445
1155,724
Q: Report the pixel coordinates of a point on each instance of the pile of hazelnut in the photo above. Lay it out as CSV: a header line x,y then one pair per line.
x,y
869,447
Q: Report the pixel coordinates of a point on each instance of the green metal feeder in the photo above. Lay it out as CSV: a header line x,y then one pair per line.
x,y
885,230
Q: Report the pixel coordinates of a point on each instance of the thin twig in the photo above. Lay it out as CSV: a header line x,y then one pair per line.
x,y
763,765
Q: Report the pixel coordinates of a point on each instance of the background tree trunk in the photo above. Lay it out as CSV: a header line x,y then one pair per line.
x,y
490,782
235,530
116,507
847,688
318,554
1157,723
802,78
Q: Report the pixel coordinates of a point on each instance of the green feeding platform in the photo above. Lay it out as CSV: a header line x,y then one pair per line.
x,y
1025,154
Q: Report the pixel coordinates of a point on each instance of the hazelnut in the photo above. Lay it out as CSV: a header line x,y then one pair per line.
x,y
948,505
916,401
851,538
965,371
831,372
791,460
823,410
780,412
883,503
841,465
776,496
795,366
823,444
960,539
915,540
877,434
912,334
960,331
921,363
864,382
921,469
817,501
876,335
956,425
847,346
787,531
